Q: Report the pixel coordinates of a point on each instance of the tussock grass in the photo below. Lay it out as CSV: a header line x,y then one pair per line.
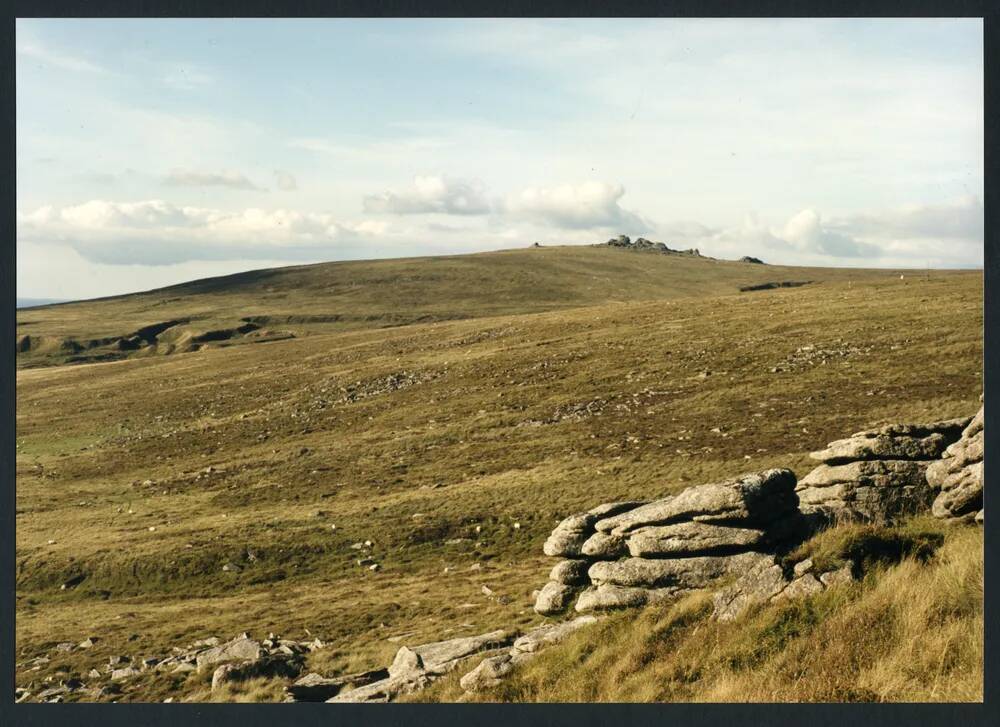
x,y
912,631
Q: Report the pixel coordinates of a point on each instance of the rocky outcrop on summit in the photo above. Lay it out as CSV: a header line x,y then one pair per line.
x,y
638,553
876,475
957,477
644,245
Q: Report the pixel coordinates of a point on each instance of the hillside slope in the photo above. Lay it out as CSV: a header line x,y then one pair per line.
x,y
452,447
281,303
911,632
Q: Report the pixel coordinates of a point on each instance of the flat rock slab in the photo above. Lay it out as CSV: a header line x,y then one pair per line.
x,y
383,690
609,596
872,473
689,539
549,634
442,656
852,502
752,499
316,688
949,428
882,446
696,572
241,649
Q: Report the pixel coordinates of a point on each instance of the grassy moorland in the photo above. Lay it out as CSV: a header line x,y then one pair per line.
x,y
455,446
269,305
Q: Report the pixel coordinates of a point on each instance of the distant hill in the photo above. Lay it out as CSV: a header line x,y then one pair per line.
x,y
279,303
35,302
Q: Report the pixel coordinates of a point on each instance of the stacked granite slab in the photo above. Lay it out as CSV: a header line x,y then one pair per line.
x,y
876,475
632,553
957,477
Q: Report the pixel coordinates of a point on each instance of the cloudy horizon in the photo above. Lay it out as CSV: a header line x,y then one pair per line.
x,y
150,152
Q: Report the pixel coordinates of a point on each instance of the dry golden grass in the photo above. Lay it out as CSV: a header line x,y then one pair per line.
x,y
912,632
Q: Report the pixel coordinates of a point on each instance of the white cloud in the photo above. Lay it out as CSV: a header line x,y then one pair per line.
x,y
432,194
944,235
960,219
155,232
189,178
584,206
285,180
35,51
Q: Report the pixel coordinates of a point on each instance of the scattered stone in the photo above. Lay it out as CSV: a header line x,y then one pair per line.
x,y
488,674
415,668
841,576
241,648
124,673
550,634
803,567
762,580
316,688
250,669
801,587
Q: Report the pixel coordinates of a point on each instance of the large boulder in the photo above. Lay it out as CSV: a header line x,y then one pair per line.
x,y
877,475
441,657
958,476
570,572
554,598
569,536
242,648
872,490
894,441
752,500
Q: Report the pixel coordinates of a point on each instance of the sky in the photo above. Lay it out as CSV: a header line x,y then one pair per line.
x,y
150,152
